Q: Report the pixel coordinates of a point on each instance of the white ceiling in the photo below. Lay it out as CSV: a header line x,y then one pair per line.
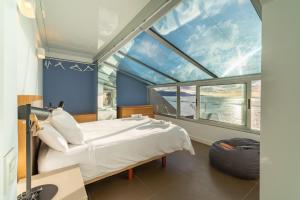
x,y
84,27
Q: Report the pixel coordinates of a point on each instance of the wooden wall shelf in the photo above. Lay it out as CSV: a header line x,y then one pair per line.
x,y
127,111
87,117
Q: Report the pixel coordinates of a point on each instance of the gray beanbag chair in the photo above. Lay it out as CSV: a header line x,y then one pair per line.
x,y
238,157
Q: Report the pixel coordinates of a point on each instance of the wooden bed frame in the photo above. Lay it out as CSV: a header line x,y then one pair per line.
x,y
37,101
129,169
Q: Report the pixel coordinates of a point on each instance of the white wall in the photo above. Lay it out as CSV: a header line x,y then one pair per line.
x,y
20,73
29,66
280,135
8,91
208,134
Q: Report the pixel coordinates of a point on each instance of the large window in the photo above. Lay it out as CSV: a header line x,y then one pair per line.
x,y
230,103
188,102
223,103
201,61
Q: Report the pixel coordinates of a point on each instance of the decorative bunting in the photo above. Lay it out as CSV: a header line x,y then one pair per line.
x,y
76,68
88,69
64,66
59,64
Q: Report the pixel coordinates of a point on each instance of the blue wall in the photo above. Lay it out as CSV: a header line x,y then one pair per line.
x,y
130,92
75,85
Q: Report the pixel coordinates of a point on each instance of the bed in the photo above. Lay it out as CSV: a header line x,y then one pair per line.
x,y
113,146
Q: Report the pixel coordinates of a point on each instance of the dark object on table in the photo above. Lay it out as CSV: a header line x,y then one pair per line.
x,y
238,157
61,104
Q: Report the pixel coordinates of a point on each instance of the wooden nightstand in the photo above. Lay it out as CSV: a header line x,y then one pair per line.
x,y
68,180
127,111
89,117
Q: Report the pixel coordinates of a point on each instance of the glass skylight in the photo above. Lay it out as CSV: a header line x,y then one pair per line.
x,y
149,51
102,68
222,35
137,69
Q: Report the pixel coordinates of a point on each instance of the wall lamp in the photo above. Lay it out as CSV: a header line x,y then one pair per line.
x,y
27,8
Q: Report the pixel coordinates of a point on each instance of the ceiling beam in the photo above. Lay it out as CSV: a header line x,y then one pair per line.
x,y
142,21
129,74
169,45
147,66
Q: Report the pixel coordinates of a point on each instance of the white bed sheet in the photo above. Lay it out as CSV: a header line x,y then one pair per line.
x,y
112,145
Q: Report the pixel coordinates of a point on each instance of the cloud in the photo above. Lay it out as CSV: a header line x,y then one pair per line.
x,y
151,52
182,14
224,49
147,48
143,45
189,10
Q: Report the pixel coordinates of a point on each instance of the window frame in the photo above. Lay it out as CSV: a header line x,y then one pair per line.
x,y
247,80
245,111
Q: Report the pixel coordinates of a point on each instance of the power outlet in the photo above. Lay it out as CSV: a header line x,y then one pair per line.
x,y
10,169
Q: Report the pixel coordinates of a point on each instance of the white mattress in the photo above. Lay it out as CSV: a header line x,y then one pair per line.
x,y
112,145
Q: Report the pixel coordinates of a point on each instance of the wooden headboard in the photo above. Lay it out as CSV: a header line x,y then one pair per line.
x,y
36,101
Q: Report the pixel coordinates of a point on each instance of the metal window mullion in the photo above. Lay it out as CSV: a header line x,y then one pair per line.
x,y
136,77
248,99
183,55
178,102
197,102
129,74
107,74
218,81
147,66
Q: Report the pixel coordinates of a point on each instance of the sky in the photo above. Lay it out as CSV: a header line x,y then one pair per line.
x,y
222,35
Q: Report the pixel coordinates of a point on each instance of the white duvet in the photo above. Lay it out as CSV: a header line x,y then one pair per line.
x,y
112,145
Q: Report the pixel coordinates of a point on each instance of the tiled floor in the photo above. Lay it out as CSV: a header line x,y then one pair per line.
x,y
186,177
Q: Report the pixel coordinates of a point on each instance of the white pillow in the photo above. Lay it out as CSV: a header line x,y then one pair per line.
x,y
50,136
67,126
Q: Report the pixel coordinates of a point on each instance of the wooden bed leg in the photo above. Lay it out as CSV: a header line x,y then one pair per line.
x,y
164,162
130,174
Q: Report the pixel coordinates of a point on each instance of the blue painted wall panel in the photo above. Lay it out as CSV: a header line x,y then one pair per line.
x,y
71,82
130,92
